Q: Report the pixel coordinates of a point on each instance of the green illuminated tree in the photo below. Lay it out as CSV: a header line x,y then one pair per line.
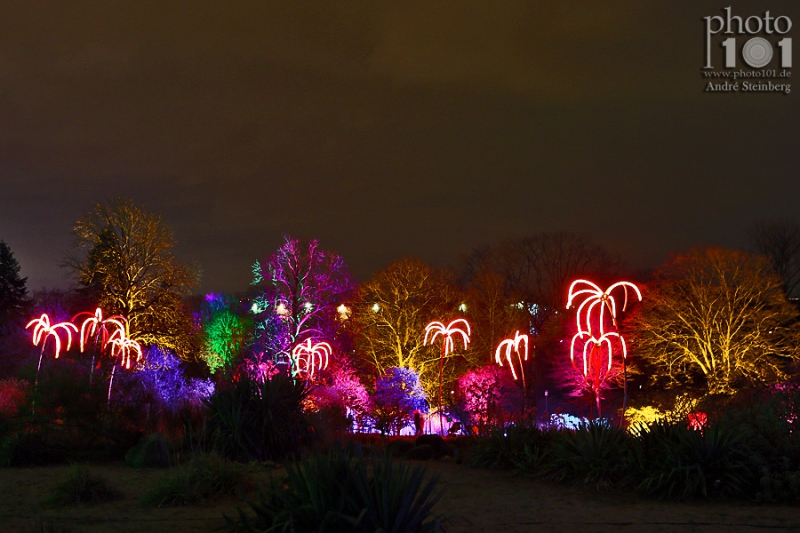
x,y
125,263
719,317
226,336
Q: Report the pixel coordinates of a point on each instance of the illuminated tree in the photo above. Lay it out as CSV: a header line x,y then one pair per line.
x,y
487,394
717,315
301,287
391,314
125,263
226,336
398,394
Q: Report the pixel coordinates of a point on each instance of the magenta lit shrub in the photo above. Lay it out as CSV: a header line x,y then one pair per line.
x,y
489,396
344,392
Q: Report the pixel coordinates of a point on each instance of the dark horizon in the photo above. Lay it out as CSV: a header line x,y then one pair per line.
x,y
384,130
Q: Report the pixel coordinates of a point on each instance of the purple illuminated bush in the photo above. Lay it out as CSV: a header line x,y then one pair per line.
x,y
398,393
161,375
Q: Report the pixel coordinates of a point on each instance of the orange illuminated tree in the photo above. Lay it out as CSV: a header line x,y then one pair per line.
x,y
124,261
719,318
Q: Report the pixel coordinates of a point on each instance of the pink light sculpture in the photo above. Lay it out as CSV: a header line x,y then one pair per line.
x,y
42,330
308,357
94,326
458,327
513,345
593,342
124,347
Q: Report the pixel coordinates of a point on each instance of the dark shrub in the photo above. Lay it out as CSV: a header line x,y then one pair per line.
x,y
28,449
81,486
205,476
398,447
250,420
437,443
423,452
515,447
343,492
593,454
768,424
151,451
669,460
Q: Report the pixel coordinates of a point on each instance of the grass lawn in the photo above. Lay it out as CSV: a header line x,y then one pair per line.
x,y
475,501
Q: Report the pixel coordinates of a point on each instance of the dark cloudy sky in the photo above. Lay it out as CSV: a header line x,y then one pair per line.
x,y
384,129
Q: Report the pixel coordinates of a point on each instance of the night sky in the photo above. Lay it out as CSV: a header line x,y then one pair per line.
x,y
384,129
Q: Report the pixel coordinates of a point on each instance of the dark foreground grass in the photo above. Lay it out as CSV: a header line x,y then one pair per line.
x,y
204,476
80,486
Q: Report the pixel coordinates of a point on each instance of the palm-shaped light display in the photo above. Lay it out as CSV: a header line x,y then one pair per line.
x,y
458,327
123,347
596,317
43,330
307,357
94,326
518,345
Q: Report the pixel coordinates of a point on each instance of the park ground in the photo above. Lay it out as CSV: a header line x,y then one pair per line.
x,y
475,500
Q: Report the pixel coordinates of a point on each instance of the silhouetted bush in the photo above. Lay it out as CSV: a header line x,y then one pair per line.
x,y
343,492
252,420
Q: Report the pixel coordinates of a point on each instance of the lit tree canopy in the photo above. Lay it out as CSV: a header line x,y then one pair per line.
x,y
226,335
398,394
125,263
301,288
393,309
719,314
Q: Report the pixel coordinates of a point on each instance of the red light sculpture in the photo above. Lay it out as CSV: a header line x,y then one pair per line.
x,y
94,326
458,326
592,341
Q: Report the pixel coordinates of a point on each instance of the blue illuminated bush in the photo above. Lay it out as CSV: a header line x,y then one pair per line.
x,y
398,393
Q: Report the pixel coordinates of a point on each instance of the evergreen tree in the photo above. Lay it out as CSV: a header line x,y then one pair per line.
x,y
13,294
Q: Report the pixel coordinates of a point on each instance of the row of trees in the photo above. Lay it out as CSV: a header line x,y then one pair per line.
x,y
712,318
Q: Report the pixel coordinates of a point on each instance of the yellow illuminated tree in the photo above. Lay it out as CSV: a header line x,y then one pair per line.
x,y
718,315
124,263
393,309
